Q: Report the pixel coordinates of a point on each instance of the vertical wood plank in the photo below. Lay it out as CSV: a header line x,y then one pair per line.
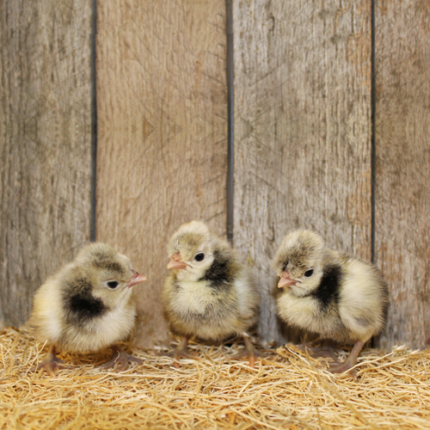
x,y
302,131
45,144
403,166
162,152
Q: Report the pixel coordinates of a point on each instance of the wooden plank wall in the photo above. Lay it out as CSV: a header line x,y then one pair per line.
x,y
302,121
303,133
45,144
402,52
162,149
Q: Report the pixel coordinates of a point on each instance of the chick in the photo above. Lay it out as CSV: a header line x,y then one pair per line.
x,y
208,293
339,297
86,306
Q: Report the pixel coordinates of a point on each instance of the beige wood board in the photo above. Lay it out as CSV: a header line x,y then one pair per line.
x,y
402,248
302,131
45,144
162,151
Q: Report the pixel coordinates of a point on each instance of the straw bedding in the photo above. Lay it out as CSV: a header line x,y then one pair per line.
x,y
287,390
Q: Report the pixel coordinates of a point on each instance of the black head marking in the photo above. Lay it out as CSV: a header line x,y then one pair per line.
x,y
81,306
327,292
220,273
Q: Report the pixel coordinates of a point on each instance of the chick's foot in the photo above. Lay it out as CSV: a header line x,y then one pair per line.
x,y
350,362
327,348
181,352
120,358
342,367
249,352
51,363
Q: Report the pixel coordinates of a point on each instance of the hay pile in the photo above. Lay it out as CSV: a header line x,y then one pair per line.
x,y
288,391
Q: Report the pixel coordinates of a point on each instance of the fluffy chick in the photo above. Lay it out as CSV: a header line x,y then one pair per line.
x,y
208,293
86,306
339,297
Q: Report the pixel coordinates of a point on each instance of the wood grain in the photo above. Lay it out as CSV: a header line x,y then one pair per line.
x,y
162,152
302,131
403,166
45,144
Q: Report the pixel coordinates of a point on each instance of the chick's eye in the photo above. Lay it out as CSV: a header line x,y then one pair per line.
x,y
309,273
112,284
200,256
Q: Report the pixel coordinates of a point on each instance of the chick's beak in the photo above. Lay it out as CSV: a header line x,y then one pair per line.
x,y
136,279
285,280
176,262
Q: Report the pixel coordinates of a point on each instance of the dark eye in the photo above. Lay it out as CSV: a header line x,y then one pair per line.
x,y
112,284
200,256
286,265
309,273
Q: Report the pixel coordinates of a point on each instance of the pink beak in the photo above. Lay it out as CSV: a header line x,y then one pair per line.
x,y
285,280
136,279
176,262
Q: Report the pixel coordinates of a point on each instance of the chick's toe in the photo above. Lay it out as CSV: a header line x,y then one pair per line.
x,y
121,359
52,363
249,352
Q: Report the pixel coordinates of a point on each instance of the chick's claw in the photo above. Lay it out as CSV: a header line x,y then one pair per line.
x,y
51,363
120,358
51,366
341,368
349,363
251,355
181,352
249,352
326,350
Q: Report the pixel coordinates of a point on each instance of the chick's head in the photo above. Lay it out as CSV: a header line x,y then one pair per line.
x,y
299,262
108,272
191,251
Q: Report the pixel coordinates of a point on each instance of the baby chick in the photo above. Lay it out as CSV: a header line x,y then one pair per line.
x,y
208,293
339,297
87,306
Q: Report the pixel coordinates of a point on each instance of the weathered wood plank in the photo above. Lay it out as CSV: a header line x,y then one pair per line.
x,y
162,148
302,130
45,144
403,166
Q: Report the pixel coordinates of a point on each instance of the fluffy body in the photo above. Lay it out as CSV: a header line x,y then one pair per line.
x,y
74,309
198,309
345,299
213,299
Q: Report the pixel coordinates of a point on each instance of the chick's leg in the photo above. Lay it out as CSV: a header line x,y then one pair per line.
x,y
250,352
52,362
121,358
181,352
351,361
